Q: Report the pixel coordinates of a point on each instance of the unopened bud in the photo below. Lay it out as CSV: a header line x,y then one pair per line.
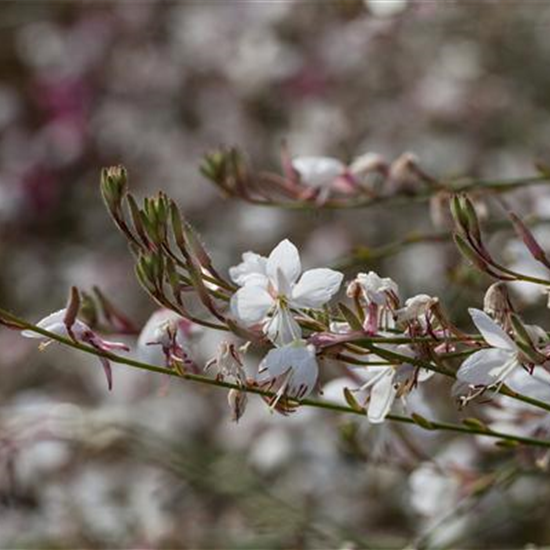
x,y
459,216
472,220
113,184
525,234
237,400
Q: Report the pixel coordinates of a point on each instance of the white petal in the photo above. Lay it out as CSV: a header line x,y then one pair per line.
x,y
296,357
536,385
282,328
284,257
250,304
381,398
491,332
252,268
485,367
318,171
303,379
53,323
316,287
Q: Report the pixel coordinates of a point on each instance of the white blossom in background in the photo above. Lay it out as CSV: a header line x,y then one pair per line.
x,y
79,331
437,489
291,370
492,366
516,417
272,287
318,172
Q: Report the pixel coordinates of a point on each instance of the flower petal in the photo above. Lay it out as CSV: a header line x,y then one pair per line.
x,y
303,379
298,358
53,323
282,328
486,367
250,304
493,334
251,269
536,385
284,257
318,171
382,397
316,287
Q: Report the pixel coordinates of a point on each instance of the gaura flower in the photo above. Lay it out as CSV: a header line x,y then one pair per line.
x,y
290,370
490,367
416,307
379,295
386,383
373,289
80,332
318,172
272,287
228,363
169,333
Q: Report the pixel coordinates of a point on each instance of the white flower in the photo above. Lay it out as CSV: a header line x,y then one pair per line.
x,y
253,267
270,289
489,367
81,332
318,172
228,363
373,289
167,332
387,383
291,369
416,307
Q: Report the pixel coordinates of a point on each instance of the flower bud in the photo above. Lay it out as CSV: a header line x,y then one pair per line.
x,y
497,303
113,185
404,173
525,234
237,400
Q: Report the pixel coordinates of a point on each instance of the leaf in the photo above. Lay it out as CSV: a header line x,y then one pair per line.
x,y
352,319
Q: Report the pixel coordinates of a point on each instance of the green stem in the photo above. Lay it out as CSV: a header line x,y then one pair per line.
x,y
404,200
326,405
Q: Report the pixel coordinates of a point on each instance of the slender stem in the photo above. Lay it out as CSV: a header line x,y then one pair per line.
x,y
502,186
326,405
365,254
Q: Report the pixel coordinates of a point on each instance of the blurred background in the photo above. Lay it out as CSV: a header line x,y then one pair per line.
x,y
155,85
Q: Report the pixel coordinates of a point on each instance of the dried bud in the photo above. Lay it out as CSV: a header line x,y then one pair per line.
x,y
497,303
404,173
367,163
237,400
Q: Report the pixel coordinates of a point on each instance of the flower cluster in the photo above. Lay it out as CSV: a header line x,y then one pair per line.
x,y
385,346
